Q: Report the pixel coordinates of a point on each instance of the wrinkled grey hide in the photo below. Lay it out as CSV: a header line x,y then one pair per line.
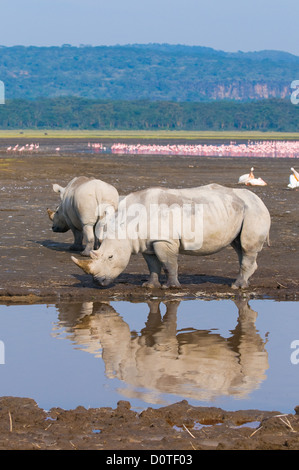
x,y
82,206
235,217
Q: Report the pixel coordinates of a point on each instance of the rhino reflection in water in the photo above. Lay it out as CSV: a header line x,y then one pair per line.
x,y
194,364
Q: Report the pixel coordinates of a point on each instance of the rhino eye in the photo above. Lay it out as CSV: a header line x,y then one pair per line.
x,y
110,257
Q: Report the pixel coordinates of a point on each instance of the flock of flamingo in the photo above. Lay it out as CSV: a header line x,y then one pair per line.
x,y
281,149
23,148
30,148
272,149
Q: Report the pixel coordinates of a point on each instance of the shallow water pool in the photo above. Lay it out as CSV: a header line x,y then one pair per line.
x,y
230,354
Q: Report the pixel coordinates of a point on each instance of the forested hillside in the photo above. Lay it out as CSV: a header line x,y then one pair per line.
x,y
146,72
150,86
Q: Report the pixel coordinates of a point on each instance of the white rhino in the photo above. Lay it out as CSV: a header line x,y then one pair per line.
x,y
82,207
234,217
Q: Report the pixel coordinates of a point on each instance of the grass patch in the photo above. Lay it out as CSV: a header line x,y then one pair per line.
x,y
123,135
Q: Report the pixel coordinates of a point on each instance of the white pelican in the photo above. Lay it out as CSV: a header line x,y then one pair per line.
x,y
294,179
256,182
244,178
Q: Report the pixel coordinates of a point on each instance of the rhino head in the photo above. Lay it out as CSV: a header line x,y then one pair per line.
x,y
59,223
108,262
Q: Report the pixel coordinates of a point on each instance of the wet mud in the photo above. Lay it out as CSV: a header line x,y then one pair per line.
x,y
24,426
36,267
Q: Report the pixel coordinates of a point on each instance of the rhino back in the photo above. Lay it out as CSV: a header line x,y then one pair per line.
x,y
84,198
216,213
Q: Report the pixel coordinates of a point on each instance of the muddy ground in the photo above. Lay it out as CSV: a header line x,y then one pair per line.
x,y
36,267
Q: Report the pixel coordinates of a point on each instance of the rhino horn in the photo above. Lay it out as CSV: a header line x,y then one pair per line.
x,y
50,214
84,264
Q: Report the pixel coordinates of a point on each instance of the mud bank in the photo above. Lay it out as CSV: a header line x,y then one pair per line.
x,y
36,266
36,263
24,426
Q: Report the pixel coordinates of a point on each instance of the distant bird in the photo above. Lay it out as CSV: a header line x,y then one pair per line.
x,y
295,173
250,180
294,179
256,182
248,176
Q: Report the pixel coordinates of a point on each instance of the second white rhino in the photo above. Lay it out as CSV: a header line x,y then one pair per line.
x,y
235,217
81,210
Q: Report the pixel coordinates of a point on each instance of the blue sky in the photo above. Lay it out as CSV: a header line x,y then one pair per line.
x,y
229,25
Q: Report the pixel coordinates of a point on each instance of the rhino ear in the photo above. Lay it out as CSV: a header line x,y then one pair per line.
x,y
58,189
50,214
83,264
93,254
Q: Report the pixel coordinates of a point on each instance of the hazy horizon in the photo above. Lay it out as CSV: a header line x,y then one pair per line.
x,y
229,26
148,44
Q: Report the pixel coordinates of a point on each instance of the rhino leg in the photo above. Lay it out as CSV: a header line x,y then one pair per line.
x,y
77,245
154,266
248,265
88,239
160,329
167,253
